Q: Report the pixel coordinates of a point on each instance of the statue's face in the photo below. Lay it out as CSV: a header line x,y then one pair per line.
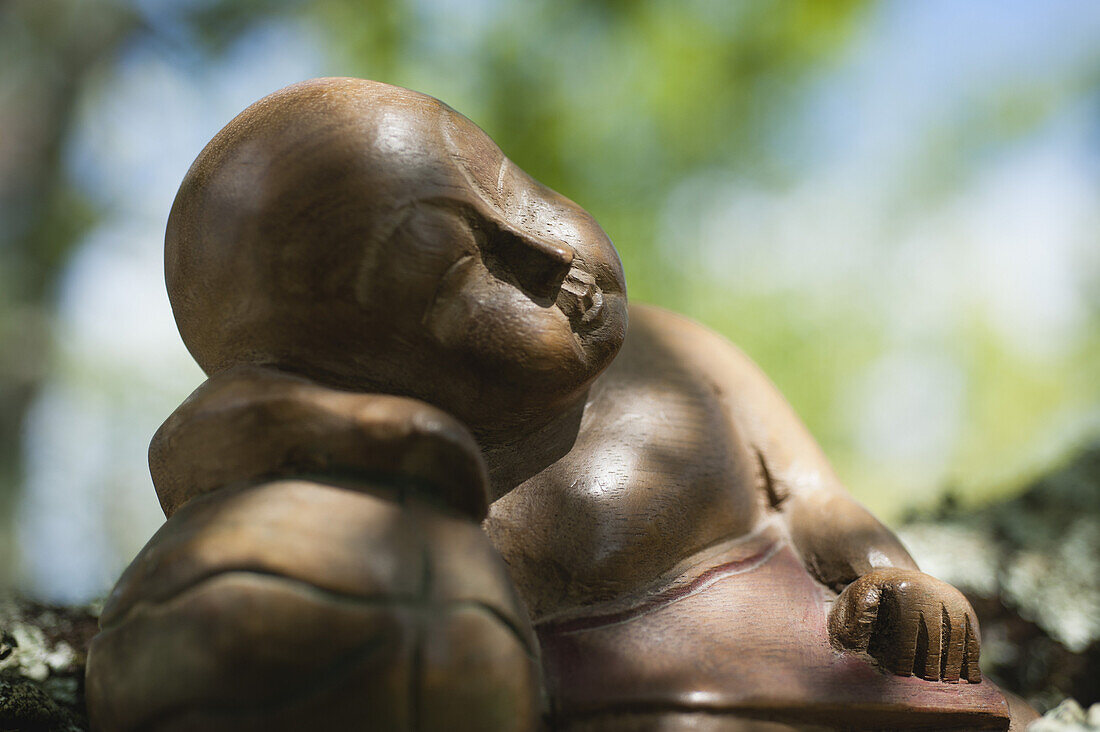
x,y
517,292
372,238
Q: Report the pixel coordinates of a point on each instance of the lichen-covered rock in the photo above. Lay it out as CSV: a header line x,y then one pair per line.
x,y
25,706
1068,717
1031,568
42,655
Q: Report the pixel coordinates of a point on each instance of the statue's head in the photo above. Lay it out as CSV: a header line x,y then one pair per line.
x,y
374,239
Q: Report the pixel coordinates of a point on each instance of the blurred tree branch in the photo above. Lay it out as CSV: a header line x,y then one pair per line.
x,y
49,51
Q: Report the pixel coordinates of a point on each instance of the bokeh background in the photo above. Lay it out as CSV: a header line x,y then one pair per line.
x,y
893,207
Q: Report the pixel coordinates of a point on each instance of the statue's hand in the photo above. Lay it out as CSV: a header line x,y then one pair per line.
x,y
911,623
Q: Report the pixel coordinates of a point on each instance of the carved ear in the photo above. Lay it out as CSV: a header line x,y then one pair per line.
x,y
250,424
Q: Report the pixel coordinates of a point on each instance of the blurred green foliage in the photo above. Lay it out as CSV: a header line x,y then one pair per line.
x,y
47,52
614,103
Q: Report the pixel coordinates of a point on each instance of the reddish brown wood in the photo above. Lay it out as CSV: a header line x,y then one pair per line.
x,y
296,605
251,423
365,276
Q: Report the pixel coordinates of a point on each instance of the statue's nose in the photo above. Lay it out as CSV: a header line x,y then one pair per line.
x,y
539,264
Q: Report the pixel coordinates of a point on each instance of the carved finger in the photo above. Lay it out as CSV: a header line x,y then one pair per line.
x,y
895,636
853,617
970,670
955,624
930,629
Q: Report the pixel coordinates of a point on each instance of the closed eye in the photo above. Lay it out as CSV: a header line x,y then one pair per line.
x,y
536,266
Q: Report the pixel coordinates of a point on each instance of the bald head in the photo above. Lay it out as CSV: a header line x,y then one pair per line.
x,y
372,238
276,215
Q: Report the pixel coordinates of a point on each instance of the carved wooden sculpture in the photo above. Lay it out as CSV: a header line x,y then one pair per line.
x,y
404,331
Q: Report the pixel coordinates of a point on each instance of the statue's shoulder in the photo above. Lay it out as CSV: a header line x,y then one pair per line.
x,y
678,350
649,318
659,336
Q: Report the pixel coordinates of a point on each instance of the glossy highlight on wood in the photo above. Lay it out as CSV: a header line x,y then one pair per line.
x,y
435,481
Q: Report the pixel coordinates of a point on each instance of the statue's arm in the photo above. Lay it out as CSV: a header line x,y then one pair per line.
x,y
251,422
322,560
911,623
839,540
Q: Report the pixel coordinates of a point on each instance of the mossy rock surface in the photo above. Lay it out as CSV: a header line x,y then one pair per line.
x,y
1030,565
42,654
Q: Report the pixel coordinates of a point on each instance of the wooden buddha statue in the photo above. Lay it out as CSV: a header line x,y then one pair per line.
x,y
407,335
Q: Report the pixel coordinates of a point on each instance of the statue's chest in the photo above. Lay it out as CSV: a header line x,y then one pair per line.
x,y
657,473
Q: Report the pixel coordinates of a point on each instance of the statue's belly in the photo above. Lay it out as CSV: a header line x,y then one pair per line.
x,y
657,474
741,634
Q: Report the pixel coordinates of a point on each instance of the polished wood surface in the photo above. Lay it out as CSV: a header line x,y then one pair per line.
x,y
296,605
407,335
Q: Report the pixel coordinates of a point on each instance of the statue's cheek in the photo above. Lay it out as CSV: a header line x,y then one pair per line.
x,y
479,317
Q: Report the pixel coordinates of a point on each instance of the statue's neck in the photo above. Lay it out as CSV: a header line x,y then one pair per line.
x,y
526,450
